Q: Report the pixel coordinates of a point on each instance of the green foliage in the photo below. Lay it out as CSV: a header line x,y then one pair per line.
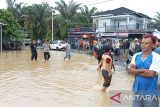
x,y
84,16
70,17
11,30
68,13
36,19
157,21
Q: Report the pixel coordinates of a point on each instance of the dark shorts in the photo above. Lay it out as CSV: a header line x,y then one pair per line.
x,y
107,78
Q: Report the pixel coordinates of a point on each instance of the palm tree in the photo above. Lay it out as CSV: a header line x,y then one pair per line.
x,y
157,21
10,4
68,13
38,17
17,9
85,15
11,33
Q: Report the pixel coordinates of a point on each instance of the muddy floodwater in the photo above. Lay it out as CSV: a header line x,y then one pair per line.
x,y
55,83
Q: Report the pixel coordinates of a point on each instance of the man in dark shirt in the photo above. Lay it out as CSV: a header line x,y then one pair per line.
x,y
99,53
33,48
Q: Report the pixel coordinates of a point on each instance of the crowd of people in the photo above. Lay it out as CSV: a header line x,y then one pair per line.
x,y
144,64
46,49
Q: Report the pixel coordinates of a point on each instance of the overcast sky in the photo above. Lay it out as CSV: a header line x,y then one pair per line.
x,y
148,7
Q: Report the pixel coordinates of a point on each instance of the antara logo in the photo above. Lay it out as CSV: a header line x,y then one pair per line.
x,y
116,97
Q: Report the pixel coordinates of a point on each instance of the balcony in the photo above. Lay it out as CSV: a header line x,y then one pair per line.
x,y
123,28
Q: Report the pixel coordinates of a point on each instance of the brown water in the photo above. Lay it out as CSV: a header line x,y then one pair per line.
x,y
54,83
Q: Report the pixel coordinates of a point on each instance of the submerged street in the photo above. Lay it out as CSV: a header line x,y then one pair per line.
x,y
55,83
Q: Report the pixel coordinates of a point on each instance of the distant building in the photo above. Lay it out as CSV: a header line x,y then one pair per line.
x,y
75,34
121,22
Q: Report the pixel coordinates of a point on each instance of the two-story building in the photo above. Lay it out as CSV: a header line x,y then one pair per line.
x,y
121,22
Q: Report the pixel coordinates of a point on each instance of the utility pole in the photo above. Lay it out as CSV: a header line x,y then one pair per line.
x,y
1,37
52,25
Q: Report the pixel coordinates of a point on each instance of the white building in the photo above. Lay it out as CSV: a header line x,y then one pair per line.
x,y
120,20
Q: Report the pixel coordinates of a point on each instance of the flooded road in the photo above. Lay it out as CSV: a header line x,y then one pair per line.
x,y
55,83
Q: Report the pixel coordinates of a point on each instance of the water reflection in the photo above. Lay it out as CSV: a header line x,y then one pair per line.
x,y
56,82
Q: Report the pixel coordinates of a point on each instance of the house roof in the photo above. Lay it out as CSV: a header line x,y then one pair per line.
x,y
122,11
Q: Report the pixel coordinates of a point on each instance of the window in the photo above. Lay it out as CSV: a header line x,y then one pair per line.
x,y
118,24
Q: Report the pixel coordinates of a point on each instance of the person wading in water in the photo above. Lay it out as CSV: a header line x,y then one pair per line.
x,y
33,48
106,63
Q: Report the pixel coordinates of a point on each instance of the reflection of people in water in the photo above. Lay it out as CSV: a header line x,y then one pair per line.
x,y
33,48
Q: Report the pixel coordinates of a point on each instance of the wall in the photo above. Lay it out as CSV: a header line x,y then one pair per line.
x,y
122,22
104,21
95,22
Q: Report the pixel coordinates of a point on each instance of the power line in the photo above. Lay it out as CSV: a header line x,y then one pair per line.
x,y
90,1
97,2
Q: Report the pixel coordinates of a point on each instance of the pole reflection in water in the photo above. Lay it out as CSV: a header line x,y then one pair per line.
x,y
53,83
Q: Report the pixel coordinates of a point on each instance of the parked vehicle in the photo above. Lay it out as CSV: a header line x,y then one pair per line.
x,y
58,45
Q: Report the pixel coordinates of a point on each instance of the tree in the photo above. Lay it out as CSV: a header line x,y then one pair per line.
x,y
151,24
37,19
68,13
70,17
34,19
17,9
84,17
157,21
10,4
11,30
